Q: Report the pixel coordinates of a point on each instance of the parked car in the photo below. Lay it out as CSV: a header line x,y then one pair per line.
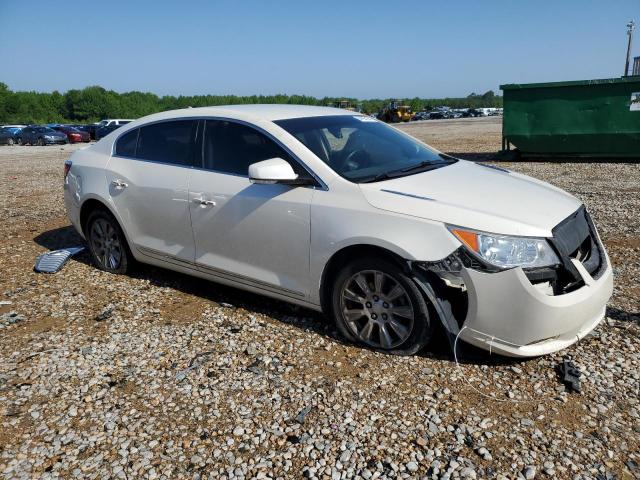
x,y
73,134
89,128
380,231
113,121
39,135
438,115
9,135
476,112
107,129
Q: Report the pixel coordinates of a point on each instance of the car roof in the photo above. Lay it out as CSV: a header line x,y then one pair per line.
x,y
269,112
253,113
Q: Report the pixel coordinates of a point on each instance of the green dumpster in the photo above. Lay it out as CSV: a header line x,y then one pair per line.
x,y
590,118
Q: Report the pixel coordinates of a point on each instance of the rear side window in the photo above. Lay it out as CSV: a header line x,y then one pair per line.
x,y
231,147
126,146
167,142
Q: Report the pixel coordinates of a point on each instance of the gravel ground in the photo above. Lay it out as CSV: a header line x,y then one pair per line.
x,y
158,375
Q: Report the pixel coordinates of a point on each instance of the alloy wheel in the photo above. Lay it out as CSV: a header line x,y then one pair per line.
x,y
106,244
377,309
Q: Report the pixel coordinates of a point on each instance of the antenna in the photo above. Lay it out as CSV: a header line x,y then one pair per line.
x,y
630,27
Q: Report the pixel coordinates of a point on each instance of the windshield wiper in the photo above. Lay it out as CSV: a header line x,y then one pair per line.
x,y
422,167
377,178
426,165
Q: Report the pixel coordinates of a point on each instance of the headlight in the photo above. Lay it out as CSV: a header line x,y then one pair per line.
x,y
507,252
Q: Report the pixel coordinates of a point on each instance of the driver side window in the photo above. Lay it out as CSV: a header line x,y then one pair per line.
x,y
231,147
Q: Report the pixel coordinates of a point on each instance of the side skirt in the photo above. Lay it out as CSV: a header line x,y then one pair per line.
x,y
159,259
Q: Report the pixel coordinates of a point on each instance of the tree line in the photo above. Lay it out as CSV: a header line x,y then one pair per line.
x,y
93,103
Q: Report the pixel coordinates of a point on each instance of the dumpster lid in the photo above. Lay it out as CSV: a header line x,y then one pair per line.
x,y
573,83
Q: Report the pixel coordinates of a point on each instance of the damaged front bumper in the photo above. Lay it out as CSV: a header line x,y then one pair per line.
x,y
509,315
524,313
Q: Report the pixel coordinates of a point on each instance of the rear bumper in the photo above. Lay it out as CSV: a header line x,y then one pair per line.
x,y
72,202
510,316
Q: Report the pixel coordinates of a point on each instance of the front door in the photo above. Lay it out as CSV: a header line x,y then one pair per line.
x,y
253,234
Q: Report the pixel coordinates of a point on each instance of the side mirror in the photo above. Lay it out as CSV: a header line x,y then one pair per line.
x,y
274,170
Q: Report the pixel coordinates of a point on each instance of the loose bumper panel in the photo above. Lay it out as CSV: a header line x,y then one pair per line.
x,y
508,314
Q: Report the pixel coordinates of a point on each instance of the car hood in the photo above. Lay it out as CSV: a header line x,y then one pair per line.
x,y
477,197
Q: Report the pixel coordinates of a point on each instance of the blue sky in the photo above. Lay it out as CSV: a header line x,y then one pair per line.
x,y
354,48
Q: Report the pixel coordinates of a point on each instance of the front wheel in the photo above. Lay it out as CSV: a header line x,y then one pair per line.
x,y
107,243
40,142
10,141
377,305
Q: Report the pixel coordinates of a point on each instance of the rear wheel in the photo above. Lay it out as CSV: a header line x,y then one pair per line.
x,y
10,141
20,141
107,243
40,142
377,305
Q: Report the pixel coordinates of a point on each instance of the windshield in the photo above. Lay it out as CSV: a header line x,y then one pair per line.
x,y
45,130
363,149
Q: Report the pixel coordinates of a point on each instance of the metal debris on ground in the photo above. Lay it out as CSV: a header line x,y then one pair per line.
x,y
104,314
52,262
569,376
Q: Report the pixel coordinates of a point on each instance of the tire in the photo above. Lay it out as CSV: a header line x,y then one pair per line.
x,y
107,243
10,141
40,142
387,302
20,141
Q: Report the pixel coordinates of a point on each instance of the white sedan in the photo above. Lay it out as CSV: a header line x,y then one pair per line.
x,y
338,212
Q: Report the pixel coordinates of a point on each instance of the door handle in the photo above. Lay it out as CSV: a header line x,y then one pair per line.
x,y
204,203
119,184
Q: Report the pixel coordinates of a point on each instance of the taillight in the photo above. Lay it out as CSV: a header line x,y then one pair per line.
x,y
67,167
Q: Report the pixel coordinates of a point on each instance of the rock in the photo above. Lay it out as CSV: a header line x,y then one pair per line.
x,y
484,453
421,441
10,318
468,472
412,466
303,414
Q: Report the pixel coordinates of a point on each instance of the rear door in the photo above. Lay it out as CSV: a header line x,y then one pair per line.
x,y
257,235
147,177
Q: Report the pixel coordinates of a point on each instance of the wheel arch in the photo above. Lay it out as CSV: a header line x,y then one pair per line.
x,y
90,204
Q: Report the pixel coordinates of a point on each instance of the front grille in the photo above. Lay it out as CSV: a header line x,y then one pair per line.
x,y
576,238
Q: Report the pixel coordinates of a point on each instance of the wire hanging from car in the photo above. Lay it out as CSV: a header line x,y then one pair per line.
x,y
477,390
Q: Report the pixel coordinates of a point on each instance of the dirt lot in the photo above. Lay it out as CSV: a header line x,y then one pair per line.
x,y
159,375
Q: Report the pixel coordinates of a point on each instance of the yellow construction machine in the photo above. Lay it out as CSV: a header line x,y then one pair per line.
x,y
396,112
